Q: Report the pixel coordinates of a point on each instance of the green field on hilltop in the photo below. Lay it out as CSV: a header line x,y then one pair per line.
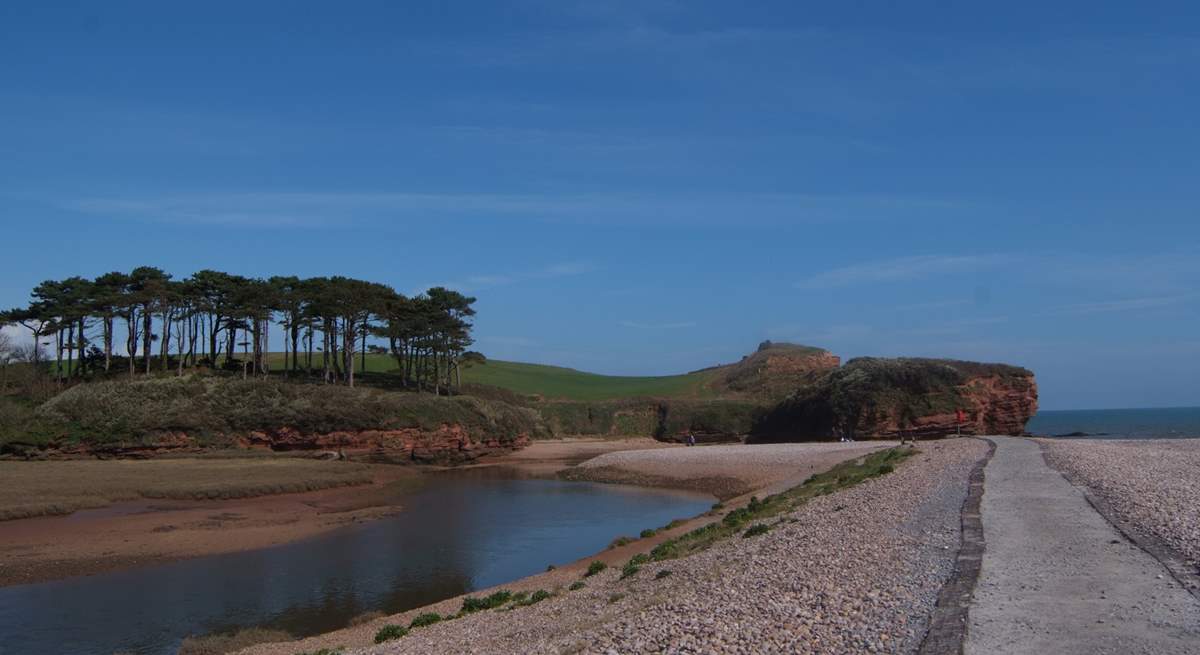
x,y
568,383
556,381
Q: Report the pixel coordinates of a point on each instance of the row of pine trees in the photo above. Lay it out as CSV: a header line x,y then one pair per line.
x,y
219,320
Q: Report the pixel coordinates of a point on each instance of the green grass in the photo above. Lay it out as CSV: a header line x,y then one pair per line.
x,y
570,384
556,382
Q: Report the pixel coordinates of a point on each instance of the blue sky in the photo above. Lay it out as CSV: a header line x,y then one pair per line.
x,y
644,187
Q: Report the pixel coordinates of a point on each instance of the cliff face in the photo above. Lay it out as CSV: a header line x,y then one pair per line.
x,y
890,398
449,444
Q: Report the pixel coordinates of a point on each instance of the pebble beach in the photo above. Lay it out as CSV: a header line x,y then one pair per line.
x,y
855,571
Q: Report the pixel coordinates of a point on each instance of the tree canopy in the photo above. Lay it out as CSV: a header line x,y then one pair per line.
x,y
205,319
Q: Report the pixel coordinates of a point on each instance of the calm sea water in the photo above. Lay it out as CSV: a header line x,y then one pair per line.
x,y
461,532
1163,423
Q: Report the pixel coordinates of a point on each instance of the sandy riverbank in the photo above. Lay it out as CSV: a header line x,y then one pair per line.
x,y
725,471
856,569
118,533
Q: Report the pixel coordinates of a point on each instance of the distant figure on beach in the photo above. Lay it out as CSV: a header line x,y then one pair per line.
x,y
691,439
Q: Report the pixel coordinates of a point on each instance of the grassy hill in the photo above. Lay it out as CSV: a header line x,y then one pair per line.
x,y
556,382
570,384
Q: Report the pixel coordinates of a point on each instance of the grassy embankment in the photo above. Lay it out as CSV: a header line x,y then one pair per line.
x,y
60,487
574,402
213,410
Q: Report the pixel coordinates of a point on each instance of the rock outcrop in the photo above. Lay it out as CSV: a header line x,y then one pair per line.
x,y
893,398
773,371
449,444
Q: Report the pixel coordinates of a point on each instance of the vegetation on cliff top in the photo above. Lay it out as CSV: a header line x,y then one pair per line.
x,y
211,407
867,390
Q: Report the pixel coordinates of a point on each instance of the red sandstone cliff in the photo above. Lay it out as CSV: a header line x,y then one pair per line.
x,y
888,398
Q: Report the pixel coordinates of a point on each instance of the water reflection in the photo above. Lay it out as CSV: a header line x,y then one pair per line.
x,y
464,530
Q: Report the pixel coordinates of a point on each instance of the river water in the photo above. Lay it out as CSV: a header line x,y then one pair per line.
x,y
463,531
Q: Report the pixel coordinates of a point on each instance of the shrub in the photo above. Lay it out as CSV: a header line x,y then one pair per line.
x,y
634,565
492,601
662,574
594,568
648,532
577,585
429,618
209,407
615,597
755,530
537,597
621,541
389,632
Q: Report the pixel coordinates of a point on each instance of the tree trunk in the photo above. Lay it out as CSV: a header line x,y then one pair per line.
x,y
147,324
108,342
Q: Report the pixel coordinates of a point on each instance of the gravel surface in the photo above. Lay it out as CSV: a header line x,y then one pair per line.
x,y
856,571
1154,484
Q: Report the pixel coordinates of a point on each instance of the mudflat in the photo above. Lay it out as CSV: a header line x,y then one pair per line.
x,y
81,517
125,528
1058,578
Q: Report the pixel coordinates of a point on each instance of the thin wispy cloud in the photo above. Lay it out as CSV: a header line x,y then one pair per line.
x,y
479,282
658,326
1125,304
324,210
894,270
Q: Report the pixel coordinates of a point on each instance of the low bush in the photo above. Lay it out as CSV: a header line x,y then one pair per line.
x,y
214,408
390,632
429,618
534,598
471,605
648,532
577,585
621,541
755,530
662,574
594,568
634,565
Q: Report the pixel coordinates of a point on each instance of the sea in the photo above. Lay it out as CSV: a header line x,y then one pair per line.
x,y
1156,423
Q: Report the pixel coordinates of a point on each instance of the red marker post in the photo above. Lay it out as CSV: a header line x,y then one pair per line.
x,y
962,417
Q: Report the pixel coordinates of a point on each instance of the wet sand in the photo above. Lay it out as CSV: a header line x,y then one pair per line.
x,y
136,533
141,532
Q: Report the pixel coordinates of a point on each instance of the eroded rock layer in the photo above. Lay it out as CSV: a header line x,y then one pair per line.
x,y
892,398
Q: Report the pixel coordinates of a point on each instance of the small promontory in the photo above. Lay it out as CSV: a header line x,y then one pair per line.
x,y
881,398
773,371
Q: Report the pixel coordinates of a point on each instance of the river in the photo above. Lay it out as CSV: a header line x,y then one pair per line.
x,y
463,531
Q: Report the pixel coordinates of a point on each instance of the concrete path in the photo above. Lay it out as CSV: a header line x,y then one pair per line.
x,y
1057,578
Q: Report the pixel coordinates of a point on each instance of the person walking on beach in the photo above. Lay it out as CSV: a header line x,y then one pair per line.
x,y
691,438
